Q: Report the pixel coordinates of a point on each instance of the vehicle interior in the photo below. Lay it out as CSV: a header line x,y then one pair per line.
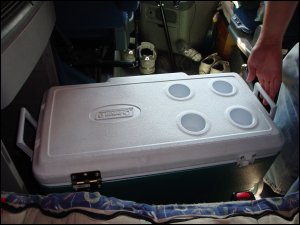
x,y
51,47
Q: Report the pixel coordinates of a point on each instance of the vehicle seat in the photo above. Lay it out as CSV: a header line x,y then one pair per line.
x,y
90,24
94,19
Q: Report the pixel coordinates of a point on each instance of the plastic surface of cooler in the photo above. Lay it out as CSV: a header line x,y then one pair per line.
x,y
149,125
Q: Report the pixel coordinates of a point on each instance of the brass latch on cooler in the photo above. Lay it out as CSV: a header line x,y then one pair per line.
x,y
86,180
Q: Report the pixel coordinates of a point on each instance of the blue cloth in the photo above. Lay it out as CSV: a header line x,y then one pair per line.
x,y
98,206
285,169
249,13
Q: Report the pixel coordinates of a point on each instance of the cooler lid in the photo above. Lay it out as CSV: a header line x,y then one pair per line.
x,y
129,128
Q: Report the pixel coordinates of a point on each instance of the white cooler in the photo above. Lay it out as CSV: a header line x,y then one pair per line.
x,y
154,138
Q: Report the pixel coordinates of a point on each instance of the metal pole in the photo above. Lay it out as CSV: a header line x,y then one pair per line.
x,y
171,56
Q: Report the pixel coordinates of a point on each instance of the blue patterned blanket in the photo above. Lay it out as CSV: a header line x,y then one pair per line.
x,y
98,206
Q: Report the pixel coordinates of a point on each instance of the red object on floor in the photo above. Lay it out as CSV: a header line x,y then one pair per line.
x,y
243,196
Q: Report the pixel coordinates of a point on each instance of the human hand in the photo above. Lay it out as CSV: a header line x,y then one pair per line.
x,y
265,63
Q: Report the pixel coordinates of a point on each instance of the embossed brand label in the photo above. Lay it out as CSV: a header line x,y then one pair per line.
x,y
114,113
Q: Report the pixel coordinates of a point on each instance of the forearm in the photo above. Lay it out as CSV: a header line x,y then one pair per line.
x,y
276,20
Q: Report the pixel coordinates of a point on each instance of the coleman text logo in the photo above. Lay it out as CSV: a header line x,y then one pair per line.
x,y
114,113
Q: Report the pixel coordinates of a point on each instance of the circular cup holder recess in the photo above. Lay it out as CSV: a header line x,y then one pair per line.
x,y
192,122
179,91
222,87
241,116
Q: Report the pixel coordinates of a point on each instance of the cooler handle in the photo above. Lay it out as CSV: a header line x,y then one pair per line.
x,y
258,89
24,114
